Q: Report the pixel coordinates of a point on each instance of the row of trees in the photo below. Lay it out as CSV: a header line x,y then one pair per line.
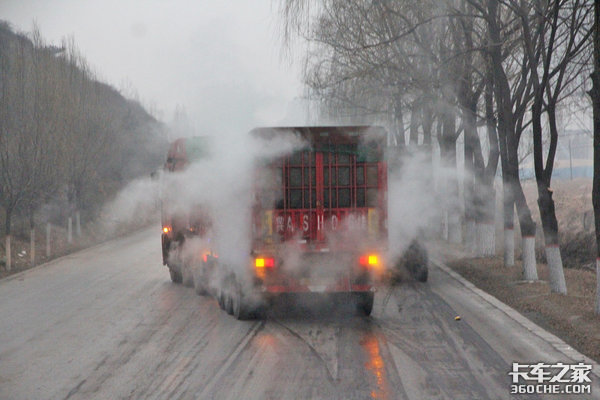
x,y
65,137
492,71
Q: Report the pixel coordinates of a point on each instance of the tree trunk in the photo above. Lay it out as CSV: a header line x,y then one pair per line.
x,y
69,230
486,239
413,138
32,246
427,124
550,227
529,264
8,253
486,228
78,223
48,233
509,247
448,153
7,233
471,235
543,176
471,198
398,122
32,239
527,226
508,207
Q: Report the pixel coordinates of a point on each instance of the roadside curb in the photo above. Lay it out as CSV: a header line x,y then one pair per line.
x,y
554,341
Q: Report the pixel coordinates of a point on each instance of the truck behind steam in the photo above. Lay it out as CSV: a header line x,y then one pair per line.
x,y
318,226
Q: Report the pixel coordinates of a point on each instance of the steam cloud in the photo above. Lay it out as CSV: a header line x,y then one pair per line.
x,y
223,184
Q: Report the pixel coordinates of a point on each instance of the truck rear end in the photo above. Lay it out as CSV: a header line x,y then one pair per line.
x,y
320,214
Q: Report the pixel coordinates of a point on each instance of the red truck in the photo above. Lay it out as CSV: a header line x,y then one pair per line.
x,y
319,221
319,216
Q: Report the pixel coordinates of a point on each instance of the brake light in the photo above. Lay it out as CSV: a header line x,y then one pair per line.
x,y
263,262
369,260
206,255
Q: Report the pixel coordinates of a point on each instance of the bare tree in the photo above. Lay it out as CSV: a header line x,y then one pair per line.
x,y
554,34
63,133
377,61
15,122
43,148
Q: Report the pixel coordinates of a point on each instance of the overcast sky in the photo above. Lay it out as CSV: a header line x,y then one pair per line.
x,y
220,59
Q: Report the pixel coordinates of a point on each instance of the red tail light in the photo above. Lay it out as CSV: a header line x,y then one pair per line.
x,y
263,262
206,255
369,260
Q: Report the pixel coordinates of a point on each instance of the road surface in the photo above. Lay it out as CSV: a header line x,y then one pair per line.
x,y
107,323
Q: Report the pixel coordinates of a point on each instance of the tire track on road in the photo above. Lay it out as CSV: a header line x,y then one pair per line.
x,y
233,356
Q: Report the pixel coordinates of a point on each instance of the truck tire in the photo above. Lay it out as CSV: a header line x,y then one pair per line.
x,y
166,245
240,309
175,275
416,261
219,298
229,304
225,301
364,303
422,273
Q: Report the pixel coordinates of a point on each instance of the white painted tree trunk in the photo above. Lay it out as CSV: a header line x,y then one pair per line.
x,y
598,286
509,247
454,229
78,224
70,230
8,254
486,239
32,246
471,236
555,269
529,264
445,225
48,233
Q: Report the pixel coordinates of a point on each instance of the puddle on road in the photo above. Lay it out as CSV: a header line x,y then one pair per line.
x,y
376,366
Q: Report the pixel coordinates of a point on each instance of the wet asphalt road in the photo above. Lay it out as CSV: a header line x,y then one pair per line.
x,y
107,323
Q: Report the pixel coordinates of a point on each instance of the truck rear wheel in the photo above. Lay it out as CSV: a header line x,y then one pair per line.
x,y
416,261
241,311
364,303
229,304
421,274
221,299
